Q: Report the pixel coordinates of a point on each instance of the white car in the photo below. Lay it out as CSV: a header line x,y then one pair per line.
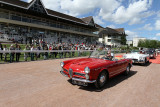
x,y
137,57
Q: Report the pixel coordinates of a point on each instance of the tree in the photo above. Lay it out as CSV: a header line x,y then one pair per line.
x,y
123,39
149,43
141,43
158,44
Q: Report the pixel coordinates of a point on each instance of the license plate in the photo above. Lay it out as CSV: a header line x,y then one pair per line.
x,y
79,83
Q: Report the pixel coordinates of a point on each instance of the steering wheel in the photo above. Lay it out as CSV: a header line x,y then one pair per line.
x,y
106,58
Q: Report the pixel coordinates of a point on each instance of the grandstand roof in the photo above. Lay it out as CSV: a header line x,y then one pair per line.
x,y
25,5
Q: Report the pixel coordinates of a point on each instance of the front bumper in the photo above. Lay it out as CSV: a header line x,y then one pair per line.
x,y
138,61
79,79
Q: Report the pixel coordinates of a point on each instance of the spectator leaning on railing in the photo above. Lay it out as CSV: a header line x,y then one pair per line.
x,y
12,53
46,53
5,54
26,54
1,54
32,53
18,48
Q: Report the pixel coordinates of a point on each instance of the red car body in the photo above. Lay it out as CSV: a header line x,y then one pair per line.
x,y
96,66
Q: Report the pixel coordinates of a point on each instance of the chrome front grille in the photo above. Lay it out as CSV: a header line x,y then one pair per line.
x,y
65,70
79,74
70,72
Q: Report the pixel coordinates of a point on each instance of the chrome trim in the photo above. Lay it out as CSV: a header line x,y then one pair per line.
x,y
63,74
79,74
70,72
84,80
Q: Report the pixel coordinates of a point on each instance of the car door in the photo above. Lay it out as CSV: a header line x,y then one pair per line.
x,y
122,65
114,68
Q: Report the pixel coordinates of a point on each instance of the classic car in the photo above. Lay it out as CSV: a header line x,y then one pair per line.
x,y
151,53
97,69
137,57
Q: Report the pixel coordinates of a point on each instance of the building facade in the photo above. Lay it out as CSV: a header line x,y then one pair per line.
x,y
112,37
136,40
25,22
129,42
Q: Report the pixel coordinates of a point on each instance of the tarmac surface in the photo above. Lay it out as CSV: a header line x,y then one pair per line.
x,y
39,84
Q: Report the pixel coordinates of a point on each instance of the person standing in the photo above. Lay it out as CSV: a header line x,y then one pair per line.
x,y
26,54
60,53
73,52
12,48
1,48
32,53
55,53
5,54
18,48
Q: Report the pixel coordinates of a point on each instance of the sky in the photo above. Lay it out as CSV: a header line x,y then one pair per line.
x,y
139,18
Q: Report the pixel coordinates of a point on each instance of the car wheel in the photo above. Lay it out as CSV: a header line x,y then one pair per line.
x,y
101,80
126,72
144,62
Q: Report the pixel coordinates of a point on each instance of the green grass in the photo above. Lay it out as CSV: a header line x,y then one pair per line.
x,y
21,45
42,58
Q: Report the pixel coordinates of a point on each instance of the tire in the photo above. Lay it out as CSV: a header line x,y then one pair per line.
x,y
143,64
101,80
126,72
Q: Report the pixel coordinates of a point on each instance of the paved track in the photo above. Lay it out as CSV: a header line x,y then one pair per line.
x,y
39,84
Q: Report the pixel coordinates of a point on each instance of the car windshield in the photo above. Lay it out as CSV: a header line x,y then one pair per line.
x,y
135,51
149,52
103,54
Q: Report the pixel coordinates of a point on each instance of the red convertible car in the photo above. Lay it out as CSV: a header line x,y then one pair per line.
x,y
97,69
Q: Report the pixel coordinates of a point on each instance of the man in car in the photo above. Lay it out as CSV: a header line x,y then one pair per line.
x,y
110,55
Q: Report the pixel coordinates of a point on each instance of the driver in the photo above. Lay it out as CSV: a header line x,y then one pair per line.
x,y
109,56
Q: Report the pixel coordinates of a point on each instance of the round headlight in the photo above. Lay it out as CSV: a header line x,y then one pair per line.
x,y
62,64
87,76
141,58
87,70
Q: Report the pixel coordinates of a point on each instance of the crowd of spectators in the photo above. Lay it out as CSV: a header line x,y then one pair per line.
x,y
41,45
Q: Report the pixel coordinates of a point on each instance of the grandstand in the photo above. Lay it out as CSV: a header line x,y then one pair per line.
x,y
26,22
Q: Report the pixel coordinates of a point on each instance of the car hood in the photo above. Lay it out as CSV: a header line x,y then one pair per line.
x,y
80,64
136,56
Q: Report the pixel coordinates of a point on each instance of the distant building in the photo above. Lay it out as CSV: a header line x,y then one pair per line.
x,y
112,37
136,40
129,42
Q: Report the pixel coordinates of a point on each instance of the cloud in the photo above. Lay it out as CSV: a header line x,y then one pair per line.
x,y
153,38
98,20
158,14
26,0
158,34
147,27
111,26
157,25
131,35
78,7
104,10
132,14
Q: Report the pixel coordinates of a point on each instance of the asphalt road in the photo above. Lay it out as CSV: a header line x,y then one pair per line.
x,y
39,84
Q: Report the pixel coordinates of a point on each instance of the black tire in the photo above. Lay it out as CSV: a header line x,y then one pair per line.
x,y
126,72
101,80
143,64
